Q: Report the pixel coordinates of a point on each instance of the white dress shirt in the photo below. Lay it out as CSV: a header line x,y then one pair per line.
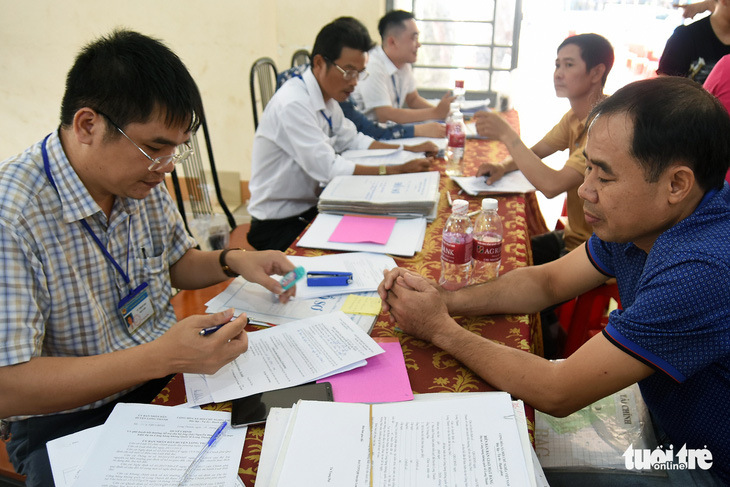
x,y
296,149
386,85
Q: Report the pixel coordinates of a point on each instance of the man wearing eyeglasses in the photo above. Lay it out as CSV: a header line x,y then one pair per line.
x,y
92,245
297,147
390,94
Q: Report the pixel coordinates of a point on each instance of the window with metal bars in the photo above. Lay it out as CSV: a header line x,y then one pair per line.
x,y
471,40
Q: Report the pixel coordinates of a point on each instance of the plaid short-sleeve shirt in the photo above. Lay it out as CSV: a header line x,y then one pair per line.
x,y
59,292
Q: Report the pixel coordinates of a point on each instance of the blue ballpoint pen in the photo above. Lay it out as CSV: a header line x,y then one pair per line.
x,y
218,433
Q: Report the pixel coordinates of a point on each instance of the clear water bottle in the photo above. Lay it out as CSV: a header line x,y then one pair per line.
x,y
459,92
487,247
456,248
456,132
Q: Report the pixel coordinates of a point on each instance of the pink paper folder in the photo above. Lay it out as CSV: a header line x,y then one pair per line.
x,y
363,229
383,379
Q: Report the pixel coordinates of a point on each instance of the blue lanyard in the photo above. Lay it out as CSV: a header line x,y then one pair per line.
x,y
47,168
329,121
395,88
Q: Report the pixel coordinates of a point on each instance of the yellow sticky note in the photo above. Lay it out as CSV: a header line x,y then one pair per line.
x,y
362,305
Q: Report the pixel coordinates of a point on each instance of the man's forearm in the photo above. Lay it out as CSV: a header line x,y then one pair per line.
x,y
46,385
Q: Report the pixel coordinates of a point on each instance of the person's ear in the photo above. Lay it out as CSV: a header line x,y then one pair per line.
x,y
596,73
680,182
87,124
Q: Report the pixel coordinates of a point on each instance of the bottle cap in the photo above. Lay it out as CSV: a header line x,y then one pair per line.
x,y
459,83
460,207
490,204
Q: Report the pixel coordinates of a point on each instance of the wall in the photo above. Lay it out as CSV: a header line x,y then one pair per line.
x,y
218,41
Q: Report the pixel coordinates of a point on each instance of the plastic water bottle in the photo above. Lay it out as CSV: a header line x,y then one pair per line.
x,y
459,92
456,132
456,248
487,247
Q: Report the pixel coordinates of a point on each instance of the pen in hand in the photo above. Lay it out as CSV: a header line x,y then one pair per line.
x,y
218,433
212,329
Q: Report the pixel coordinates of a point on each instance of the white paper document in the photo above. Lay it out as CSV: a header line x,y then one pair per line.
x,y
466,441
69,453
376,157
145,445
413,194
292,354
260,304
405,240
366,267
512,182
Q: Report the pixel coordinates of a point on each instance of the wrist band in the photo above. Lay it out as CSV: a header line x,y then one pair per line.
x,y
224,267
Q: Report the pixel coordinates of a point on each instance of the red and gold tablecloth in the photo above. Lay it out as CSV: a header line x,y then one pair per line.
x,y
429,368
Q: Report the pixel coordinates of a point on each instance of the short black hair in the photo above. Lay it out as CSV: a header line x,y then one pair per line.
x,y
341,32
391,21
594,50
675,122
126,76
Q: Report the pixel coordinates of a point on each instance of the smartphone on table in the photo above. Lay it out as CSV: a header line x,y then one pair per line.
x,y
255,409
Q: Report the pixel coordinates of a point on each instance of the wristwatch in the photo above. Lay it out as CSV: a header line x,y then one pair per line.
x,y
224,267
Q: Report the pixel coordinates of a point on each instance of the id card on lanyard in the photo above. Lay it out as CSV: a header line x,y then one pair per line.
x,y
135,308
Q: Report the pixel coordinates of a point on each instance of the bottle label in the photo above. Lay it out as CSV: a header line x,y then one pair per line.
x,y
487,251
457,139
456,253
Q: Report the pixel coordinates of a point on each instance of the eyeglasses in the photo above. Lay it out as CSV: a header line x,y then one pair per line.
x,y
182,152
350,74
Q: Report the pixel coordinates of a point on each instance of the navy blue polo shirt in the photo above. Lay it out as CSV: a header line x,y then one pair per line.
x,y
676,319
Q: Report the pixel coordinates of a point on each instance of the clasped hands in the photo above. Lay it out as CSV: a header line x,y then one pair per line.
x,y
416,303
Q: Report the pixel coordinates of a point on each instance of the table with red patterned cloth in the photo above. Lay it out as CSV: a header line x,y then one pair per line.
x,y
430,369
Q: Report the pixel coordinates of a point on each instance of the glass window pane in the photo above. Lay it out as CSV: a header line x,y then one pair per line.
x,y
457,56
455,32
435,78
502,81
477,10
505,23
502,58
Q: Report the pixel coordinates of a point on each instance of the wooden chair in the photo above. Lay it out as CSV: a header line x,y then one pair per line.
x,y
585,316
263,85
8,476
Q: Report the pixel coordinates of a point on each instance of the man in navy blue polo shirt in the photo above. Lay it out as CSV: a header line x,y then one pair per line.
x,y
655,195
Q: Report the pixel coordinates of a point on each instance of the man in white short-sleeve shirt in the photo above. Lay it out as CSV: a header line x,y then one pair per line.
x,y
390,93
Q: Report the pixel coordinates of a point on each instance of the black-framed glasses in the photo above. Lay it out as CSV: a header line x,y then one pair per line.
x,y
182,152
350,74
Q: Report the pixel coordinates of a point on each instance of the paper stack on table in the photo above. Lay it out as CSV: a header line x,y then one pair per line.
x,y
405,239
511,182
285,356
402,195
471,439
259,304
146,445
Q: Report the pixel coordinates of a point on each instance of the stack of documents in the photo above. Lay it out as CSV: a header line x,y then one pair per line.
x,y
286,356
402,195
145,445
472,439
260,304
511,182
405,238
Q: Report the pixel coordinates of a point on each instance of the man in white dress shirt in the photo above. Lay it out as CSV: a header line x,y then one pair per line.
x,y
390,93
297,147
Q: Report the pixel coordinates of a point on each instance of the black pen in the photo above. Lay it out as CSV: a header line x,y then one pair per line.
x,y
212,329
